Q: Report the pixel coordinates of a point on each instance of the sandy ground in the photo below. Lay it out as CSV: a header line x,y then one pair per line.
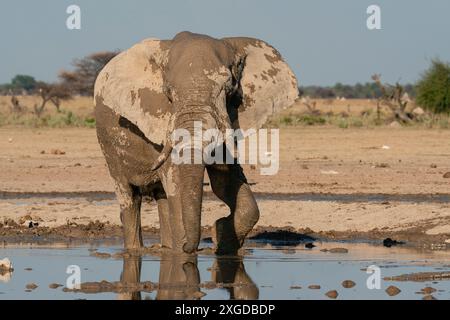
x,y
313,160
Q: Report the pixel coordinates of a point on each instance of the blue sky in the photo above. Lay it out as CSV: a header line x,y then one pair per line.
x,y
324,41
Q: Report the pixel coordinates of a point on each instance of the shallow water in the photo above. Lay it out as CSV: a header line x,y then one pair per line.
x,y
264,272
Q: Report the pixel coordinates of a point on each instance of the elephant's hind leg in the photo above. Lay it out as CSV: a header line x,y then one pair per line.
x,y
130,200
230,185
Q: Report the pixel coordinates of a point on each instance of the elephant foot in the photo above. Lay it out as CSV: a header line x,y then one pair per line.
x,y
224,237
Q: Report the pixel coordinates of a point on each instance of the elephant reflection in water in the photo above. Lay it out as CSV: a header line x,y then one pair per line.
x,y
179,277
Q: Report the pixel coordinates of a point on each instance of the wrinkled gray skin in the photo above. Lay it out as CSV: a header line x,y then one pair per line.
x,y
145,93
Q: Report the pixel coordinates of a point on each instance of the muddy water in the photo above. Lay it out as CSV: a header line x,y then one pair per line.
x,y
265,271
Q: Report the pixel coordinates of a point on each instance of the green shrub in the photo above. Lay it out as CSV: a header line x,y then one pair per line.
x,y
433,89
343,123
311,120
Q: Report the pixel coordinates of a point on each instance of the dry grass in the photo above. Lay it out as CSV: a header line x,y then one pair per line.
x,y
352,113
77,112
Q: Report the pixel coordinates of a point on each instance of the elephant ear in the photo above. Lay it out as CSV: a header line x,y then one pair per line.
x,y
268,83
131,85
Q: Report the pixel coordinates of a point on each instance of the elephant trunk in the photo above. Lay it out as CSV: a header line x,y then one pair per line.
x,y
212,115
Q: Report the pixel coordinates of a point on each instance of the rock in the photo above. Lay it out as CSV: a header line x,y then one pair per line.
x,y
348,284
314,287
447,175
329,172
28,269
25,218
429,297
31,286
309,245
428,290
393,291
296,287
395,124
418,111
333,294
6,265
54,285
57,152
33,224
388,242
433,166
101,255
335,250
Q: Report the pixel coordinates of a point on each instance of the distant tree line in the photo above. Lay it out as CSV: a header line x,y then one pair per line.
x,y
79,81
432,91
368,90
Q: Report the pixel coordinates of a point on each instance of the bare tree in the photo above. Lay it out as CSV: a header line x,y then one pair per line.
x,y
82,79
53,93
394,98
311,106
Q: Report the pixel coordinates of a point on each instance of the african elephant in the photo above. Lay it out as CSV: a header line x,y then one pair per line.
x,y
157,86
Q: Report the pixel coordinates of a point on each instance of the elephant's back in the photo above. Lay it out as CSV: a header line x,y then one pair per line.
x,y
131,84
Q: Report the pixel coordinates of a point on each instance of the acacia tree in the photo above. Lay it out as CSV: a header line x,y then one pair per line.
x,y
82,79
53,93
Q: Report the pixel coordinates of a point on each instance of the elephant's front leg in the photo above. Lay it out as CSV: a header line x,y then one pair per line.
x,y
230,185
131,275
183,185
130,200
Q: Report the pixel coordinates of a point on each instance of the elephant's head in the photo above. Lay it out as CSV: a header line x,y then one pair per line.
x,y
226,83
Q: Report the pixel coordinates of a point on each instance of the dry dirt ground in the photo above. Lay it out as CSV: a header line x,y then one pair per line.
x,y
353,182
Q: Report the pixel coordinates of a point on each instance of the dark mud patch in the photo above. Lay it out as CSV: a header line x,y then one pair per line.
x,y
282,237
321,197
287,236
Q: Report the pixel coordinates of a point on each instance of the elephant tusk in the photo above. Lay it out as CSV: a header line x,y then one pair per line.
x,y
165,153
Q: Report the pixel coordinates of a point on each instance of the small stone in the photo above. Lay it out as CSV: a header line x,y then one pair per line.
x,y
101,255
395,124
447,175
28,269
333,294
338,250
348,284
198,295
54,285
418,111
428,290
31,286
309,245
296,287
433,166
393,291
314,287
57,152
388,242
